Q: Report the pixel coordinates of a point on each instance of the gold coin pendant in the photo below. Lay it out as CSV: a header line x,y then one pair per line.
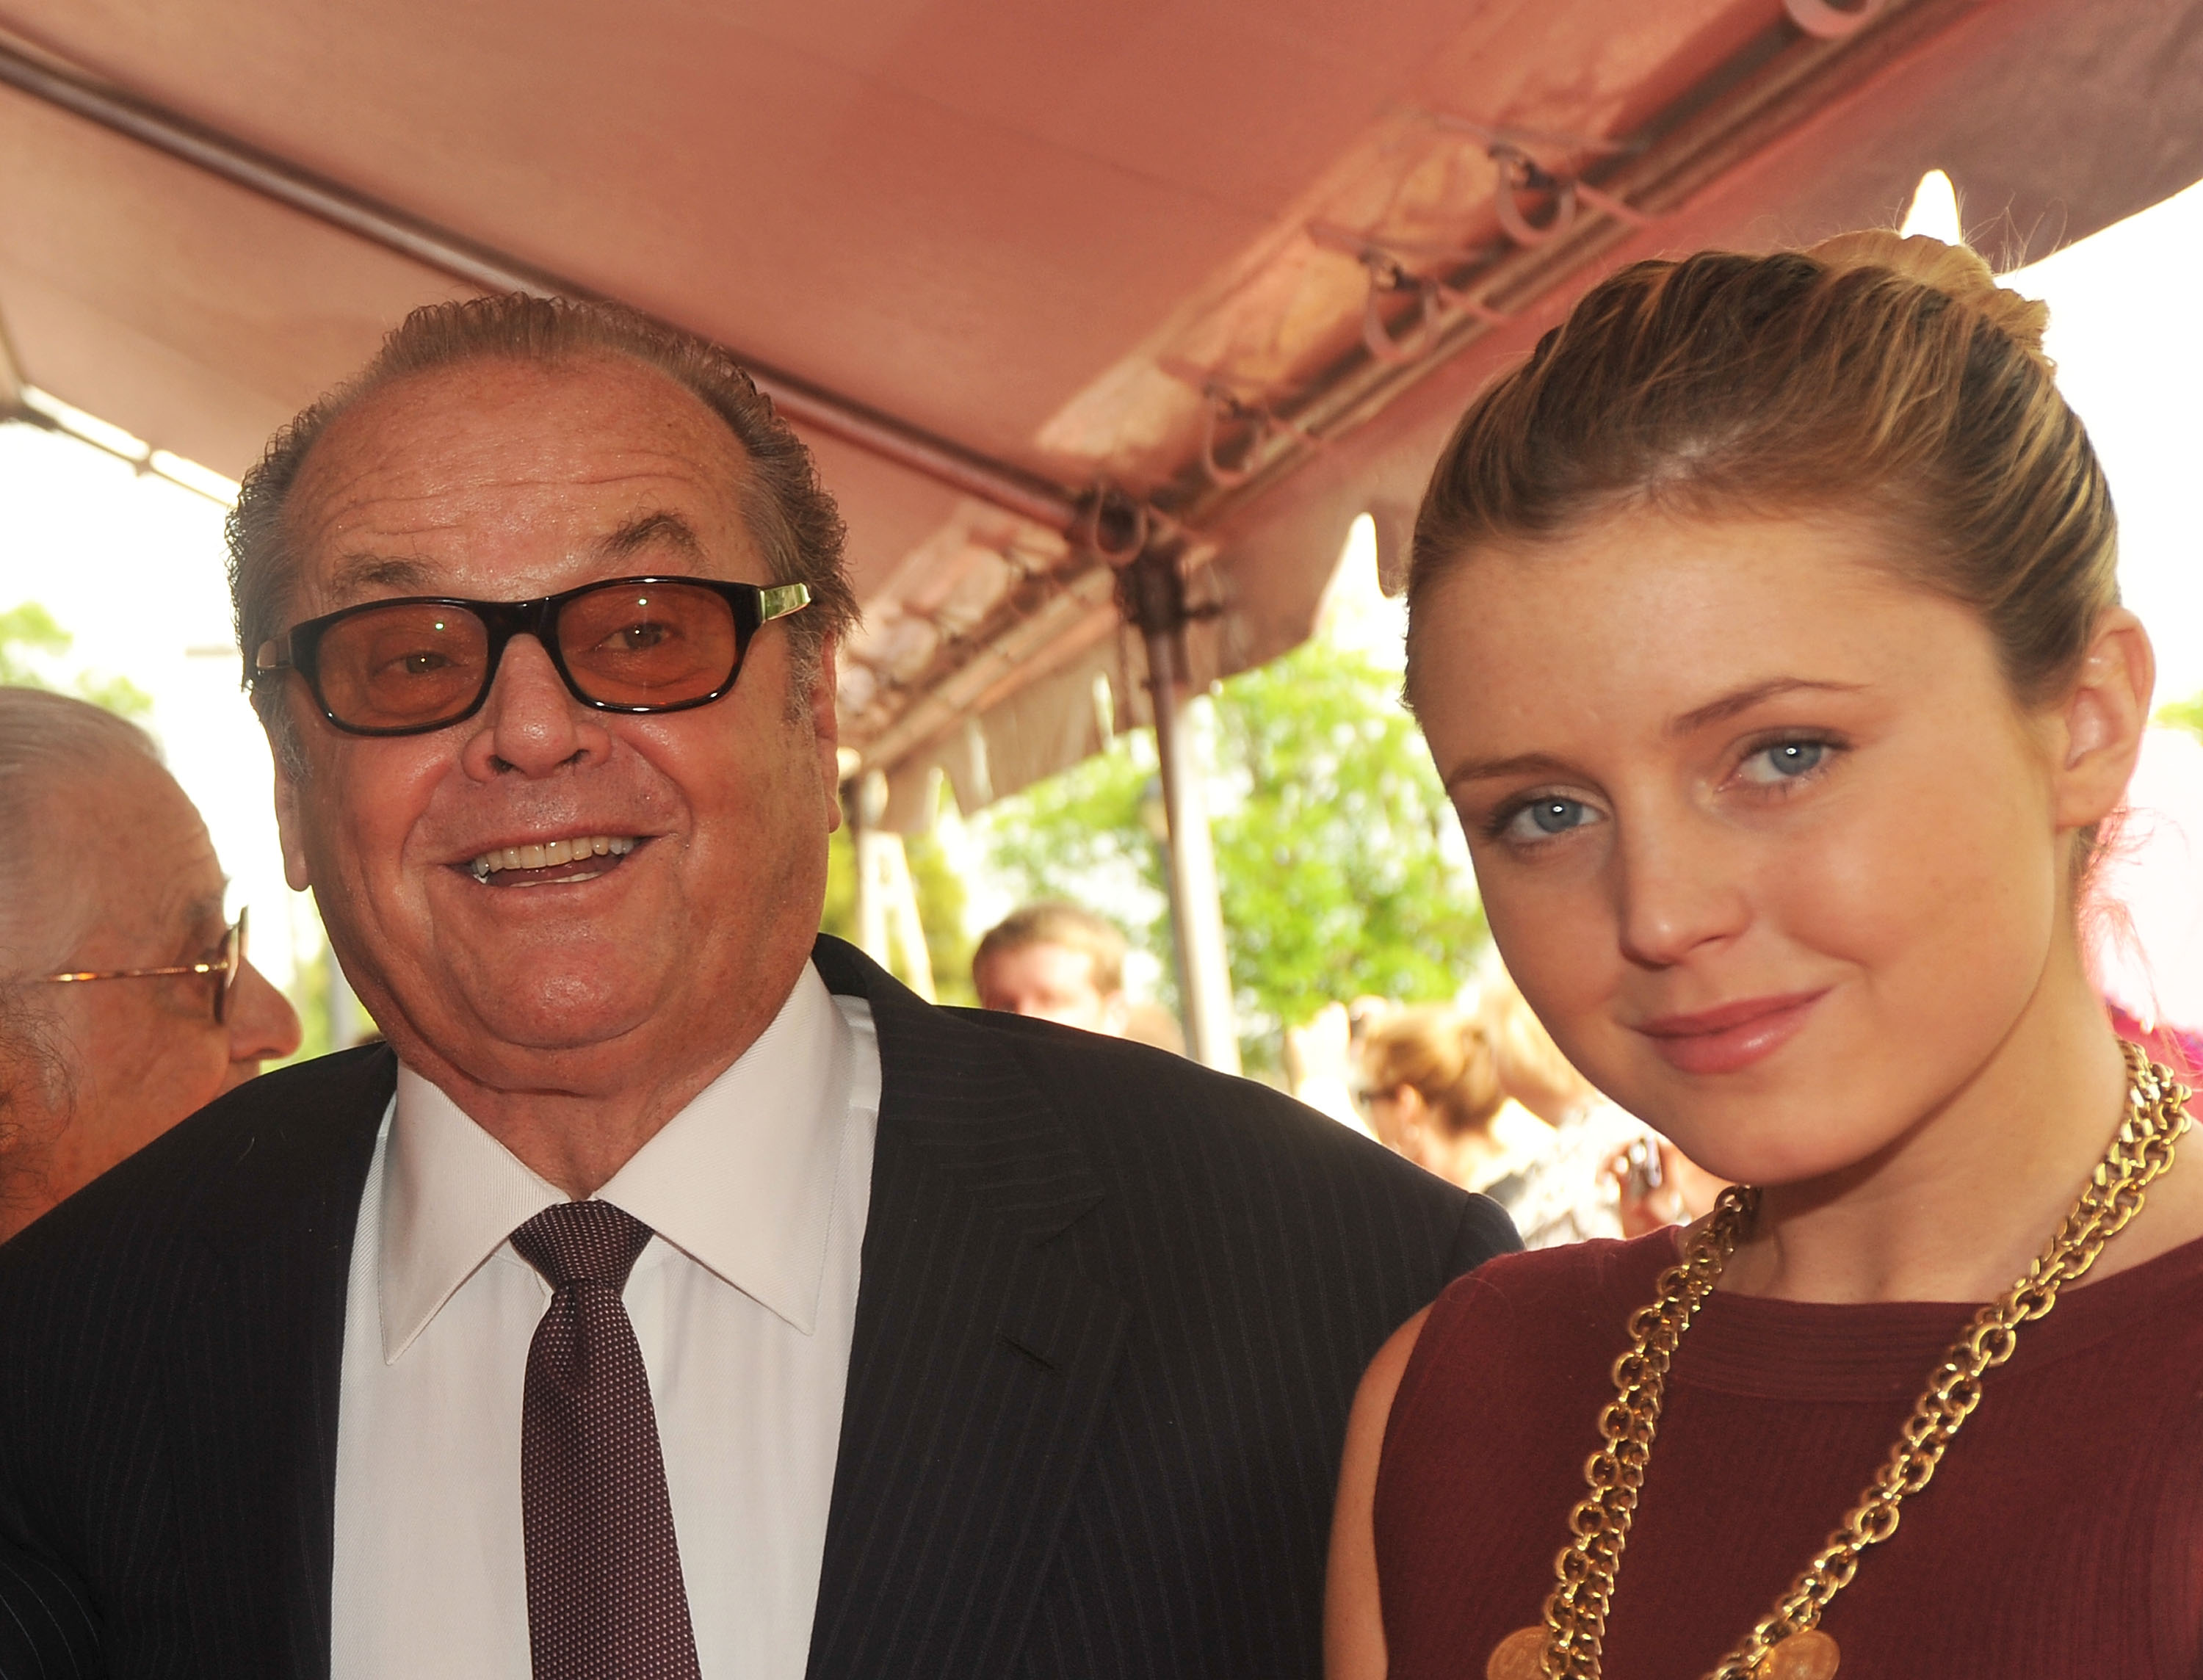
x,y
1519,1656
1809,1655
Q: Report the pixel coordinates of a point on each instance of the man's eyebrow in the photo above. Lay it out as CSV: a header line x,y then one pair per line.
x,y
360,574
203,913
651,527
1744,699
365,574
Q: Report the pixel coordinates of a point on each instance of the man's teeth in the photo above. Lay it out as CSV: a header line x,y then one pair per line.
x,y
551,854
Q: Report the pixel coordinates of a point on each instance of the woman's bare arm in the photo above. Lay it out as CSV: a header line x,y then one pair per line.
x,y
1352,1623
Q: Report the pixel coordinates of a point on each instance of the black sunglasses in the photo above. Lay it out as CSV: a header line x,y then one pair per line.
x,y
636,644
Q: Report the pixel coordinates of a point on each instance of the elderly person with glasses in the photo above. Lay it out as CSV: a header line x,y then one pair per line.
x,y
125,1002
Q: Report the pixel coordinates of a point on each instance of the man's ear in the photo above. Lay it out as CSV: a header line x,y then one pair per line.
x,y
290,825
2099,722
826,730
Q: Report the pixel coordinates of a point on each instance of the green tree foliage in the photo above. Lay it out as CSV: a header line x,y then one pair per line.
x,y
940,893
2185,714
29,631
1336,879
1329,826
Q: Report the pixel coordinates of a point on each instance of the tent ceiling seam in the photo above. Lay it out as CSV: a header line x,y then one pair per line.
x,y
1012,488
1453,298
1775,82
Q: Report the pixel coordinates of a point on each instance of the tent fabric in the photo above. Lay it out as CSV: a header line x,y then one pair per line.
x,y
1052,234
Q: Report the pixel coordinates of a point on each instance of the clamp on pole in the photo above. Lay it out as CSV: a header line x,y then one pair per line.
x,y
1387,264
1114,525
1225,405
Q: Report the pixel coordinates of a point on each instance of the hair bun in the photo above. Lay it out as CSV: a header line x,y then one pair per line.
x,y
1955,271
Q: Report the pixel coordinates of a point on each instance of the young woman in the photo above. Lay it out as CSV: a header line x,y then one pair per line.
x,y
1765,630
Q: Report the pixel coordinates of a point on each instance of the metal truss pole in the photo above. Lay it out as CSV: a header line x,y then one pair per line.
x,y
1155,593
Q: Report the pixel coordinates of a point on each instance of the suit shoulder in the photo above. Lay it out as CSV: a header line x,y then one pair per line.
x,y
1120,1096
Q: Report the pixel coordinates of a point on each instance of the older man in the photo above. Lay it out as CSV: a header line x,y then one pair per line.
x,y
675,1295
126,1002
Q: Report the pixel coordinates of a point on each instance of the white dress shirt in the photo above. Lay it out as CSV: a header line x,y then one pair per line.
x,y
744,1303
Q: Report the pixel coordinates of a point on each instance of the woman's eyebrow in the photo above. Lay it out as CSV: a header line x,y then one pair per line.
x,y
1522,764
1714,711
1744,699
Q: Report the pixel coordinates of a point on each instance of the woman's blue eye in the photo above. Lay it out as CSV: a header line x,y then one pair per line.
x,y
1547,817
1785,761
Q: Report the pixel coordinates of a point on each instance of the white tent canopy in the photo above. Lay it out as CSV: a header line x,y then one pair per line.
x,y
1039,281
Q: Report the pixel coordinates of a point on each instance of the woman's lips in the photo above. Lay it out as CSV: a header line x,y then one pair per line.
x,y
1734,1035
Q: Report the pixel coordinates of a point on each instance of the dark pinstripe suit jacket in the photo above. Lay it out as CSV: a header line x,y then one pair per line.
x,y
1113,1307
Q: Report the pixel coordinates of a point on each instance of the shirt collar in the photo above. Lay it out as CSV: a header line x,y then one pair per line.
x,y
741,1180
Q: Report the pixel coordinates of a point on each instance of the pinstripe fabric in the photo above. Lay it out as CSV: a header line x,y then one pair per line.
x,y
171,1340
1113,1311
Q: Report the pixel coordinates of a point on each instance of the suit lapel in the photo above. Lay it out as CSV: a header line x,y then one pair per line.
x,y
980,1363
256,1351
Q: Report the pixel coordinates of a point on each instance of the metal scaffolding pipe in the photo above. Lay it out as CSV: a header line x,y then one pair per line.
x,y
1212,1030
1012,488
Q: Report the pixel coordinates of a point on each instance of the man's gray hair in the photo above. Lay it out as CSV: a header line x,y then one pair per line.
x,y
48,743
792,517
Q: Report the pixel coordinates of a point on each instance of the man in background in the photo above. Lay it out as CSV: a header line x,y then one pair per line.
x,y
1054,962
126,1002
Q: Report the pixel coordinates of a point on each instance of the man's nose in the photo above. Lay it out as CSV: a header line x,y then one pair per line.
x,y
1681,889
531,722
262,1026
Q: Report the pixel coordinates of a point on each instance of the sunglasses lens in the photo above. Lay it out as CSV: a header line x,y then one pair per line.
x,y
406,666
649,644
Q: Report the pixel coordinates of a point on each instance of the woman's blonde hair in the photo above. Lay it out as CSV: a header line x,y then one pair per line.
x,y
1880,375
1444,1056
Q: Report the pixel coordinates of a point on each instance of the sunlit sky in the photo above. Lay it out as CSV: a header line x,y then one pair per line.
x,y
133,566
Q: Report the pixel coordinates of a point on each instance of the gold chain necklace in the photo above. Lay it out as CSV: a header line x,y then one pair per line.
x,y
1788,1644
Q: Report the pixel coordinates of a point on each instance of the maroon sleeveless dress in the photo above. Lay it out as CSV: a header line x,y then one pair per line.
x,y
2062,1538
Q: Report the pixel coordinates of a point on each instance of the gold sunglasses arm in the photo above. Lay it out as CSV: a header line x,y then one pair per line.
x,y
780,600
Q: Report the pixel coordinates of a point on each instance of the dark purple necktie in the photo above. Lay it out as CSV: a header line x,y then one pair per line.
x,y
605,1598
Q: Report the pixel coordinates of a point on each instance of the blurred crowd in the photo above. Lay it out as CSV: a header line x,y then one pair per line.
x,y
1474,1091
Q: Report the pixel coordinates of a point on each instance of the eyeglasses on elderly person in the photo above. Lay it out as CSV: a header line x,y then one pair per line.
x,y
229,963
636,644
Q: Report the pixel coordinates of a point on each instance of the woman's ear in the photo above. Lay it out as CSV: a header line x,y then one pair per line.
x,y
2099,724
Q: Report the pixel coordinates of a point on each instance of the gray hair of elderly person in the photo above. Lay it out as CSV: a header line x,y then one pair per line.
x,y
47,741
791,515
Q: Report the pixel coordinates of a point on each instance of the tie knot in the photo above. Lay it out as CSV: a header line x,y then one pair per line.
x,y
582,1242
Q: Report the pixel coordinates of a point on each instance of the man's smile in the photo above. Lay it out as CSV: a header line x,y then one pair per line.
x,y
540,864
